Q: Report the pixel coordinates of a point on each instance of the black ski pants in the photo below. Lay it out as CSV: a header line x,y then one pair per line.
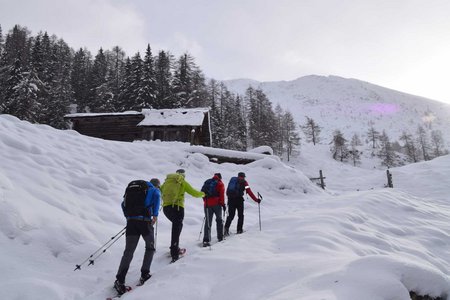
x,y
135,229
233,205
176,215
209,213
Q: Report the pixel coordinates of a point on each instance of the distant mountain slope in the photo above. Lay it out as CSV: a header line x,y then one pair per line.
x,y
351,105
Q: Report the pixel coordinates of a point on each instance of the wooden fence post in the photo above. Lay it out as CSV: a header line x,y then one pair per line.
x,y
322,183
321,178
389,179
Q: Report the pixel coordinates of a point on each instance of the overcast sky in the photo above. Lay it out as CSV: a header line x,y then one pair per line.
x,y
399,44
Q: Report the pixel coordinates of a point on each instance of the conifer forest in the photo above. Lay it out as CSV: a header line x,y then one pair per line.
x,y
41,77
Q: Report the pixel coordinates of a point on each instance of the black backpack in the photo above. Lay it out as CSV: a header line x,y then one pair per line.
x,y
210,188
134,199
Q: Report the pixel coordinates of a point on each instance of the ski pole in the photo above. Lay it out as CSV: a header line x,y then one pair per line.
x,y
156,233
122,232
91,261
201,229
259,209
223,224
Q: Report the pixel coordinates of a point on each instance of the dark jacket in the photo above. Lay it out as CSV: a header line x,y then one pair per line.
x,y
243,187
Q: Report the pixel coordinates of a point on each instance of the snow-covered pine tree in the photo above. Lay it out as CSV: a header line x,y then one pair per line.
x,y
124,102
356,141
221,125
339,146
437,143
79,78
115,75
311,130
373,136
229,119
215,117
137,95
410,147
290,134
148,89
261,118
24,100
60,89
2,69
354,153
199,93
16,50
241,126
97,80
386,153
423,142
163,67
11,78
253,115
183,80
2,44
279,145
21,93
17,46
41,66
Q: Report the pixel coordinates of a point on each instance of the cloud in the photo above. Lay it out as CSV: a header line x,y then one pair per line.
x,y
81,23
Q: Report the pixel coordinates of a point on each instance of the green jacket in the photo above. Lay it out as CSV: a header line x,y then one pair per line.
x,y
173,189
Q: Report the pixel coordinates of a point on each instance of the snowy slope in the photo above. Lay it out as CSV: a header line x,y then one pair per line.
x,y
351,105
60,194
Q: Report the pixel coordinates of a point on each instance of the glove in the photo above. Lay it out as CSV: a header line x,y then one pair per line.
x,y
259,200
224,207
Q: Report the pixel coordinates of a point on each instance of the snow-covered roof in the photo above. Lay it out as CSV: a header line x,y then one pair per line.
x,y
131,112
174,117
159,117
227,153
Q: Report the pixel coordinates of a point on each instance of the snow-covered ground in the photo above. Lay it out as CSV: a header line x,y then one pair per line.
x,y
60,196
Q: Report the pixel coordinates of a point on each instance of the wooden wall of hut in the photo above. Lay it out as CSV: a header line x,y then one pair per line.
x,y
110,127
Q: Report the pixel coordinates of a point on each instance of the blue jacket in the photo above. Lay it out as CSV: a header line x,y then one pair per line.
x,y
152,202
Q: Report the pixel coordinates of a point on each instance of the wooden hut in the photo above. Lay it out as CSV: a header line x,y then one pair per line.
x,y
182,124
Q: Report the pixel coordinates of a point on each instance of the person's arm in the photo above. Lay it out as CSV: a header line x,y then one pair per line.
x,y
123,208
221,190
156,202
249,192
191,191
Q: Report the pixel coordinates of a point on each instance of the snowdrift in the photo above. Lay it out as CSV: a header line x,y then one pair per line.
x,y
60,194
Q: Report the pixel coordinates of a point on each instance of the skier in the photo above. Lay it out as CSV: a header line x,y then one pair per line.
x,y
140,207
213,202
173,190
235,194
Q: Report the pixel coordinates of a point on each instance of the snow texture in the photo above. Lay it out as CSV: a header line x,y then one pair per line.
x,y
60,195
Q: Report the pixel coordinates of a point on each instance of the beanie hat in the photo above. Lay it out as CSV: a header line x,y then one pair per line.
x,y
218,175
181,172
155,181
241,174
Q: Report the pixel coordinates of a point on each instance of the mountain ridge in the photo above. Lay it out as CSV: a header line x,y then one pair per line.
x,y
352,105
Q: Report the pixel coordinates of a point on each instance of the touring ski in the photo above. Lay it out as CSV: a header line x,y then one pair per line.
x,y
117,296
181,253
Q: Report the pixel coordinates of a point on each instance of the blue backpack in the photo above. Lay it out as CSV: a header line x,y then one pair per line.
x,y
210,188
235,189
